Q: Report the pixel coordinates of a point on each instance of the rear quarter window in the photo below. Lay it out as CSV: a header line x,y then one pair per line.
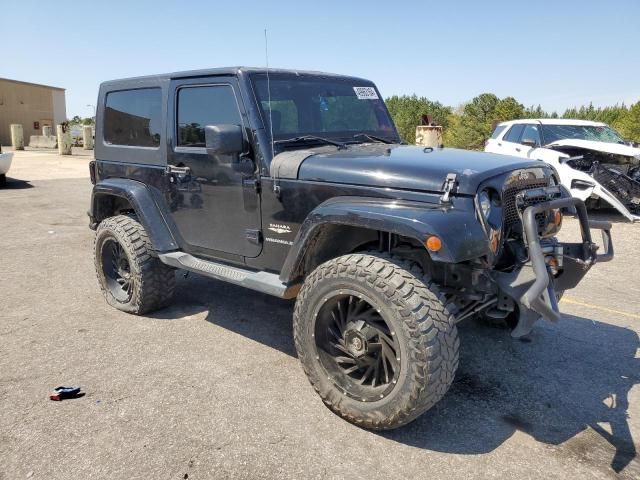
x,y
499,129
133,117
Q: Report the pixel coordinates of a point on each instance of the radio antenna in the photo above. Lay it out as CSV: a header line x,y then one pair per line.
x,y
266,56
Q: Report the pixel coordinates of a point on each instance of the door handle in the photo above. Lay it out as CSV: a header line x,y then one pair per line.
x,y
517,149
180,171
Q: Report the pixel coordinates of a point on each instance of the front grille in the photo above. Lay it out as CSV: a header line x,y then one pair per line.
x,y
511,214
623,187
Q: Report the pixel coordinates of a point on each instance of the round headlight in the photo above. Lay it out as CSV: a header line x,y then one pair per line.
x,y
484,202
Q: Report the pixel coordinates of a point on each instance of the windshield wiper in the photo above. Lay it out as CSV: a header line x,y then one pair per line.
x,y
310,138
373,138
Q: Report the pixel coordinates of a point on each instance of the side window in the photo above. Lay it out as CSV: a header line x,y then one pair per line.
x,y
202,106
499,129
133,117
513,135
531,132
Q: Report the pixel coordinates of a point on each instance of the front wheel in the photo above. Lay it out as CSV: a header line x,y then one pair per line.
x,y
378,343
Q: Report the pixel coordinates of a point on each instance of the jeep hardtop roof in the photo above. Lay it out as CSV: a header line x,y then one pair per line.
x,y
224,71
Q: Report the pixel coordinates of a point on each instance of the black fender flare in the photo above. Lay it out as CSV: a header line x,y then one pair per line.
x,y
462,235
147,210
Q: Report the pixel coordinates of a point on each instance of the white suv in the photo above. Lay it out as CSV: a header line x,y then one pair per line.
x,y
591,158
5,163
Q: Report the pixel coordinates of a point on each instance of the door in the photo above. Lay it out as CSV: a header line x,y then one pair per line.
x,y
213,199
530,134
46,122
494,144
511,141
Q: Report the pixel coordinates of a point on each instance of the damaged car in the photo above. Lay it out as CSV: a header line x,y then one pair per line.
x,y
5,163
298,185
592,160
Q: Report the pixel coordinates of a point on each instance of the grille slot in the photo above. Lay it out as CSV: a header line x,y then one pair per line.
x,y
511,216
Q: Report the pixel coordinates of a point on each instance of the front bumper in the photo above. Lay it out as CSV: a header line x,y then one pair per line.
x,y
540,296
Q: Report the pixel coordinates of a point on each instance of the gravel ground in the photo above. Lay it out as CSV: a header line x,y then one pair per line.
x,y
211,387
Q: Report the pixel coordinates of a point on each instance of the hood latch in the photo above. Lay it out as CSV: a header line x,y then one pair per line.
x,y
450,186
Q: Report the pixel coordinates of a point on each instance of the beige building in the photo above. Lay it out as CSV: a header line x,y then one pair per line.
x,y
31,105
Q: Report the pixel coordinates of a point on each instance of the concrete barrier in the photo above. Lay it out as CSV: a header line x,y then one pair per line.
x,y
43,141
17,136
64,140
87,137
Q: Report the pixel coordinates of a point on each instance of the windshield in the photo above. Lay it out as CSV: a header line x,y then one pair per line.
x,y
553,133
329,107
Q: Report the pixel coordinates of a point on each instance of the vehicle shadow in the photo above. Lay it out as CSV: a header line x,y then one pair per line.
x,y
567,379
16,184
570,377
262,318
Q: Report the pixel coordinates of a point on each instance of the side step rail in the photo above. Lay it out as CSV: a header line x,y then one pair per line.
x,y
264,282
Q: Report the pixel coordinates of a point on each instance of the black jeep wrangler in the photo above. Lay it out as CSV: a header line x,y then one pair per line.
x,y
296,184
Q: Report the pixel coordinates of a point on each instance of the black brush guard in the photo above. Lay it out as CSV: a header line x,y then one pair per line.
x,y
541,297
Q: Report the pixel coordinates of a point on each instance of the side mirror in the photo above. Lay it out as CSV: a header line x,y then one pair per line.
x,y
529,142
224,140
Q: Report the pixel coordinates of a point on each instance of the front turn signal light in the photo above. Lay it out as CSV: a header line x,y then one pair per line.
x,y
495,241
557,217
433,243
553,264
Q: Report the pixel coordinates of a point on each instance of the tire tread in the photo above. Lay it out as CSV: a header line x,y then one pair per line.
x,y
154,282
426,318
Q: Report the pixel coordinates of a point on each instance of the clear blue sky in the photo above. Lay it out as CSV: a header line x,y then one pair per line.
x,y
556,53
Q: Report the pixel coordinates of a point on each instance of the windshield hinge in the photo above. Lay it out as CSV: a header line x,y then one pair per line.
x,y
450,186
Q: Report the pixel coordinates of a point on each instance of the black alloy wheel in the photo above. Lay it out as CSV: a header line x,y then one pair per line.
x,y
116,270
376,338
356,346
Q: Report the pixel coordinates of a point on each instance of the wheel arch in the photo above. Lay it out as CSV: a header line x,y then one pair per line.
x,y
115,196
345,225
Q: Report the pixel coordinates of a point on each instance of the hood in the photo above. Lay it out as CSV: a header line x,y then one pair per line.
x,y
408,167
605,147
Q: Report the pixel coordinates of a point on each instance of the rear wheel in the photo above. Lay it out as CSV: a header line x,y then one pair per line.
x,y
378,343
3,180
132,279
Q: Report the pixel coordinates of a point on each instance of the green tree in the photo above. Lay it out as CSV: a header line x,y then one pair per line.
x,y
407,111
535,112
78,120
476,122
471,124
629,124
508,109
452,135
612,115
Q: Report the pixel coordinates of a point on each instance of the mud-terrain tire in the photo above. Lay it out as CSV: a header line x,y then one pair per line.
x,y
131,278
417,317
